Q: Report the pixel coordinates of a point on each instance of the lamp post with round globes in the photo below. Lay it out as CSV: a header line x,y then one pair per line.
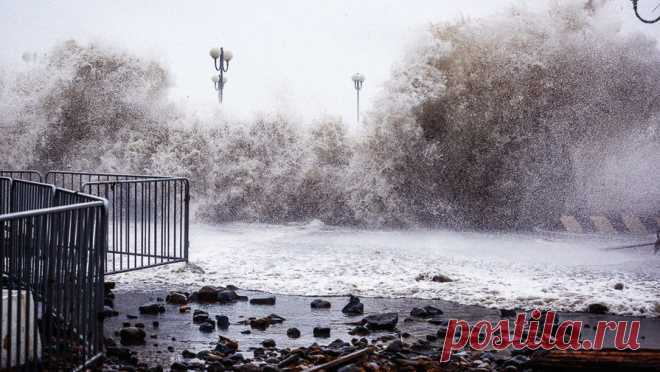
x,y
358,80
221,58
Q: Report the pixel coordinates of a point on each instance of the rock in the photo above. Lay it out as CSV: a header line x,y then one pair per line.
x,y
152,309
359,331
385,321
320,304
120,353
441,278
432,310
293,332
506,313
129,316
207,327
657,309
176,298
263,301
260,323
184,309
395,347
207,294
226,345
139,325
108,312
292,359
618,286
188,354
179,366
155,324
517,361
425,312
322,332
200,316
227,296
132,336
354,307
438,278
350,368
246,332
223,321
276,319
597,308
268,342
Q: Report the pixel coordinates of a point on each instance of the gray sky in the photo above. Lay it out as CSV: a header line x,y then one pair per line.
x,y
297,55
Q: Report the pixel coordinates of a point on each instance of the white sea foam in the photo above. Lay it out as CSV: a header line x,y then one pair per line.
x,y
498,270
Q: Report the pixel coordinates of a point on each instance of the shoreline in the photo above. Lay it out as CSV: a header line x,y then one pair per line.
x,y
178,341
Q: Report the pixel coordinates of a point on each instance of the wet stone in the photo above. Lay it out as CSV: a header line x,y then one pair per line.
x,y
222,321
263,301
268,343
320,304
354,306
597,308
176,298
207,294
293,332
207,327
385,321
227,296
152,309
132,336
321,332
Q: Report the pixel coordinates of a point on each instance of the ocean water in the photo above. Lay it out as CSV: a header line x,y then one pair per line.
x,y
543,270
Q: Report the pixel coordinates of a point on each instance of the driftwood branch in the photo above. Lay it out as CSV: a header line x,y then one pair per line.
x,y
346,359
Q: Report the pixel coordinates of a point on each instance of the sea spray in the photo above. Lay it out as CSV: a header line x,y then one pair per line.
x,y
500,122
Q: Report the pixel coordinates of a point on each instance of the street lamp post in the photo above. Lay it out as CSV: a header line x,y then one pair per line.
x,y
219,85
358,80
221,58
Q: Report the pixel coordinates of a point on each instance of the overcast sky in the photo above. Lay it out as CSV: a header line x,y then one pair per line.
x,y
296,55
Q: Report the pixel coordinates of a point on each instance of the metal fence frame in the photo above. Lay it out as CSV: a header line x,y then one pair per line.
x,y
149,216
52,262
28,175
148,222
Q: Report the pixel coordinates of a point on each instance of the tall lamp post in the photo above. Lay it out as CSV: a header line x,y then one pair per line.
x,y
219,85
358,80
221,58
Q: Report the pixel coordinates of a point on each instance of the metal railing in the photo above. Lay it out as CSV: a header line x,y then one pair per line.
x,y
52,263
148,219
148,222
28,175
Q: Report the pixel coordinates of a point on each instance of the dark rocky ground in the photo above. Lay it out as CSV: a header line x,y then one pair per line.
x,y
262,336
